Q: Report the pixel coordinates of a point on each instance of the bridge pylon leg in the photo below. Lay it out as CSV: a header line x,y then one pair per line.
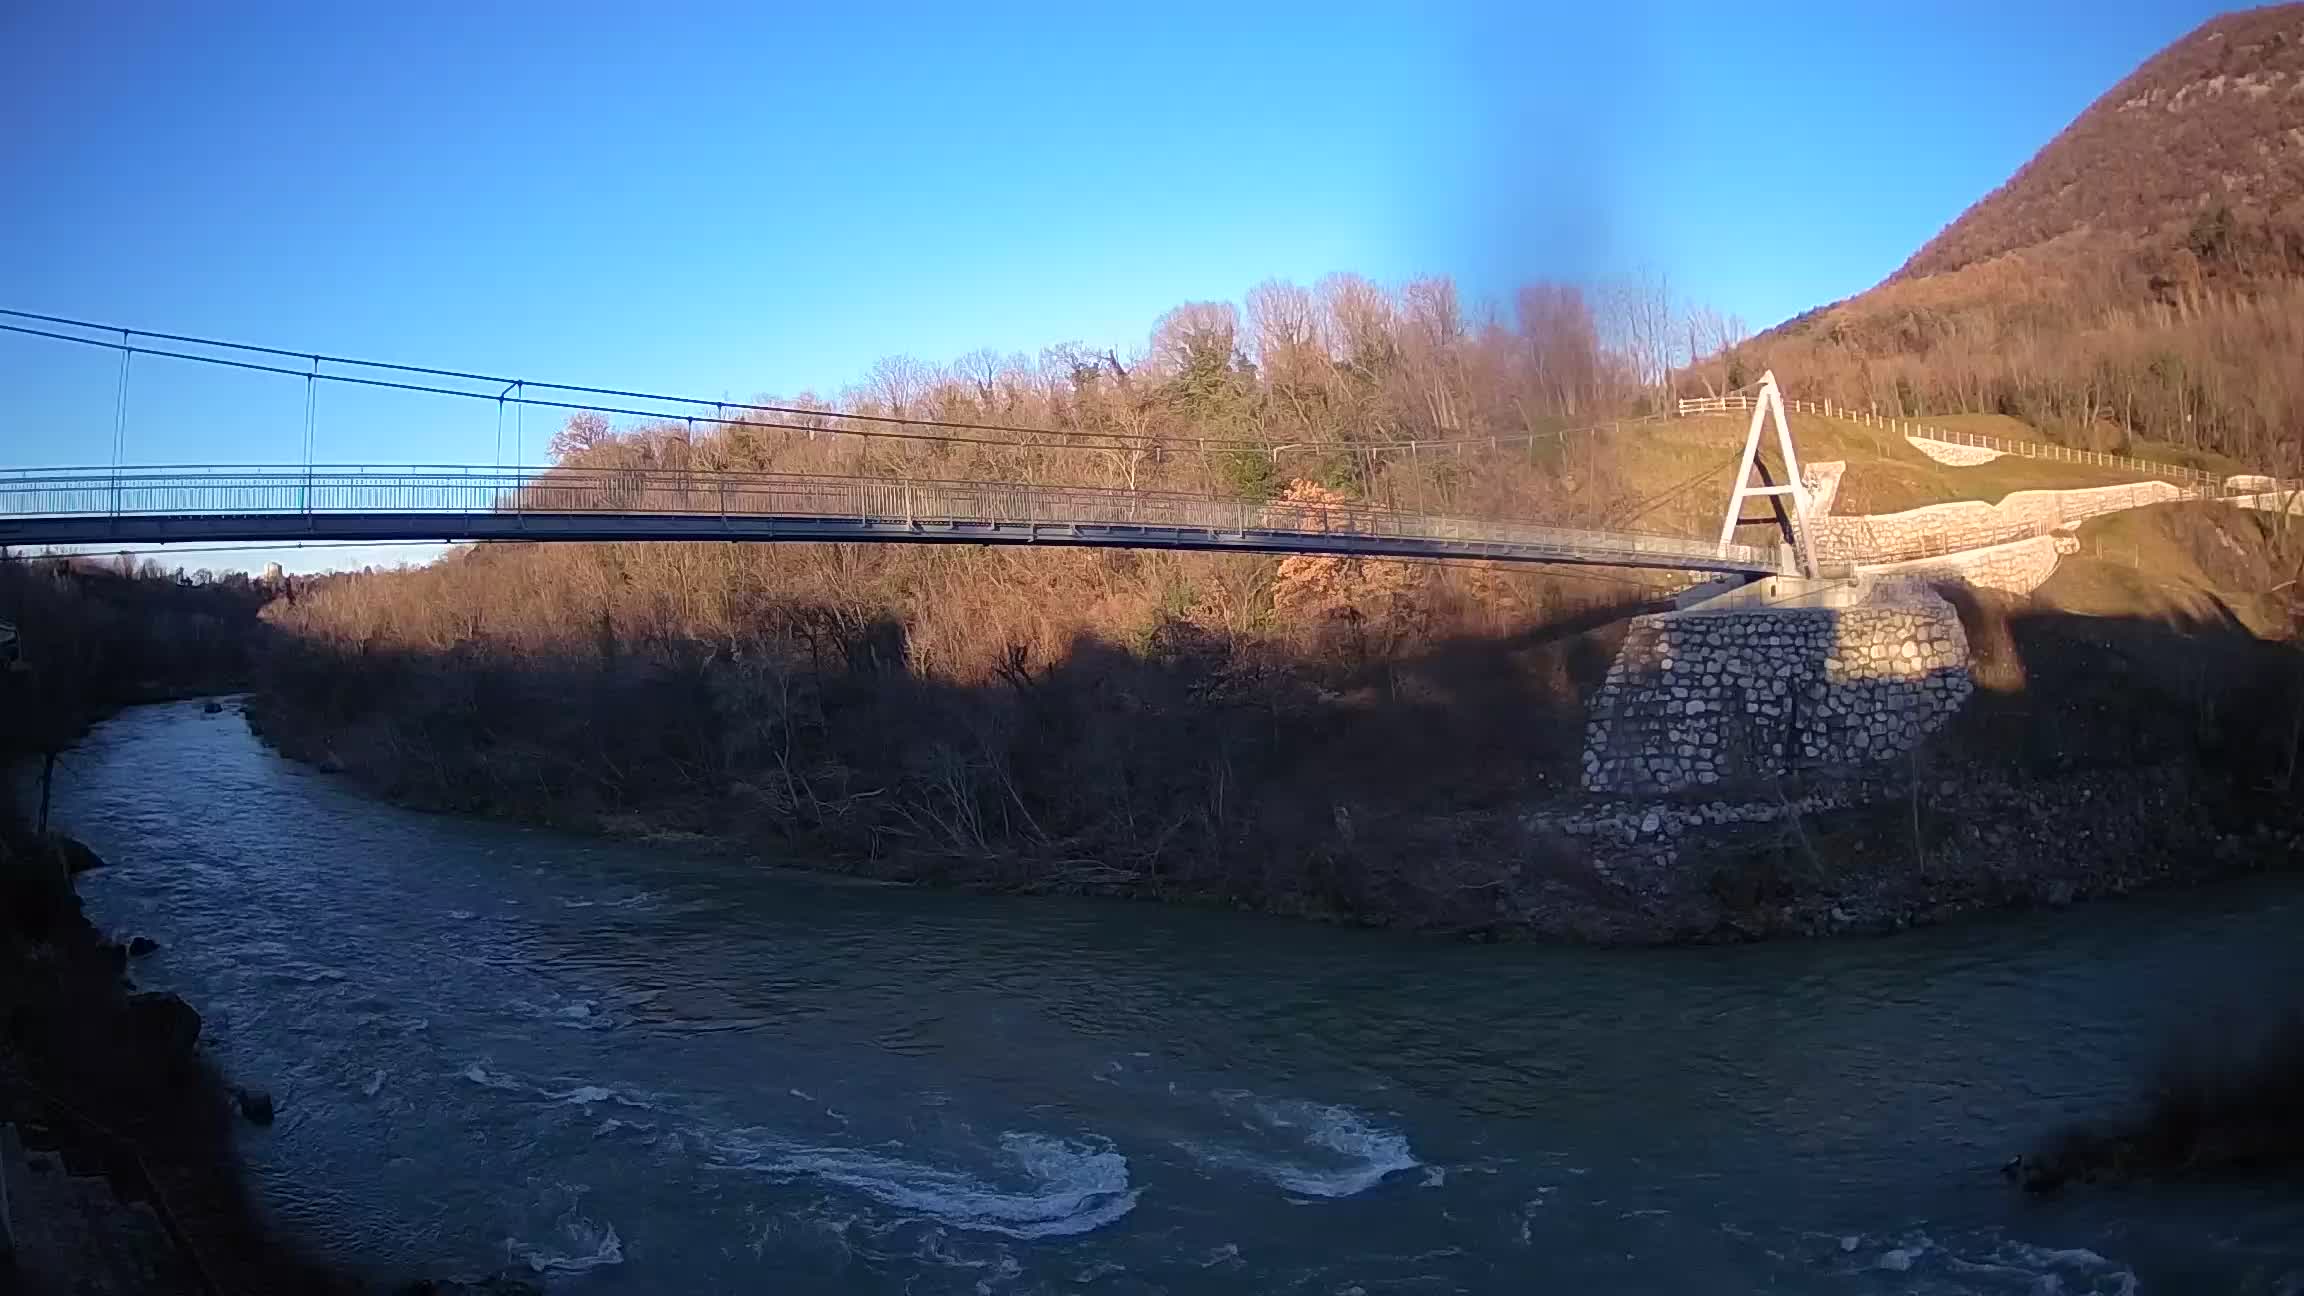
x,y
1768,406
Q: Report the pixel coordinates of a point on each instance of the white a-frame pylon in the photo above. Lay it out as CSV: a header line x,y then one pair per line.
x,y
1769,404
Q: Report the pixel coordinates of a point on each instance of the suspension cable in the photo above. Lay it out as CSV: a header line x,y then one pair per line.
x,y
721,406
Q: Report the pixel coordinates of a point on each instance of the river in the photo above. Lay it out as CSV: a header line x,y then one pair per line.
x,y
633,1068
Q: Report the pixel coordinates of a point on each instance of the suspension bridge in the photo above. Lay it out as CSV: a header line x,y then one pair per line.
x,y
168,505
123,504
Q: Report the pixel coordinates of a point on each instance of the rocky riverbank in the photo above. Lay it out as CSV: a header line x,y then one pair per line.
x,y
126,1179
1886,853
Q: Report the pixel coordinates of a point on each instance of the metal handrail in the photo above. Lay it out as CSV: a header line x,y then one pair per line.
x,y
913,503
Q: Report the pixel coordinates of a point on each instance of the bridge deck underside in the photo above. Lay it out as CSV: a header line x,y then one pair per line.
x,y
1576,547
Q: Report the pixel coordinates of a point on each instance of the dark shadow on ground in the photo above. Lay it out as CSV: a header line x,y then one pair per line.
x,y
2059,692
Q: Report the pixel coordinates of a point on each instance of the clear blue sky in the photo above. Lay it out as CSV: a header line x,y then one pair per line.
x,y
733,200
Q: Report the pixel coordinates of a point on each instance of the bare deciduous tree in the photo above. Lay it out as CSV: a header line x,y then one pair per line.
x,y
583,430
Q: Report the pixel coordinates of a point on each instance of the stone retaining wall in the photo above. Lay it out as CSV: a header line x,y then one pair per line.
x,y
1697,699
1973,524
2018,567
2275,502
1953,453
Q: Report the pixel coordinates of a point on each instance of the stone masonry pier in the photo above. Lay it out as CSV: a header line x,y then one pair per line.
x,y
1736,695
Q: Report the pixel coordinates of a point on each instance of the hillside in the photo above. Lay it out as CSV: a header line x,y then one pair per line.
x,y
2141,277
2214,121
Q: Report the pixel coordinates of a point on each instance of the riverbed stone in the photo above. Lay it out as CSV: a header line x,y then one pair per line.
x,y
255,1105
165,1028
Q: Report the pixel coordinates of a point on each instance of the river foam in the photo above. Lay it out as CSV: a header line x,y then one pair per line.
x,y
1048,1186
578,1244
1985,1265
580,1095
1309,1148
576,1014
1032,1186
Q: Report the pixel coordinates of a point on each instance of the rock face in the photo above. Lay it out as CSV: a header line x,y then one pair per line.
x,y
167,1027
114,1082
1697,699
140,946
77,858
1823,481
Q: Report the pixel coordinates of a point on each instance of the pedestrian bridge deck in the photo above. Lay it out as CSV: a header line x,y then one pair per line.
x,y
94,506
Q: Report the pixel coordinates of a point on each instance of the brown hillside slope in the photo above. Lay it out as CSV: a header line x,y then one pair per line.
x,y
2142,277
2218,117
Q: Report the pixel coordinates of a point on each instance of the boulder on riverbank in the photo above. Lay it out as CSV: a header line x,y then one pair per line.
x,y
255,1105
76,857
164,1025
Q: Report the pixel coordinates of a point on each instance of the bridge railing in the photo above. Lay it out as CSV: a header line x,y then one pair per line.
x,y
915,503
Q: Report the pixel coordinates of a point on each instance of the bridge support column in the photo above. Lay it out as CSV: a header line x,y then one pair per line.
x,y
1767,406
